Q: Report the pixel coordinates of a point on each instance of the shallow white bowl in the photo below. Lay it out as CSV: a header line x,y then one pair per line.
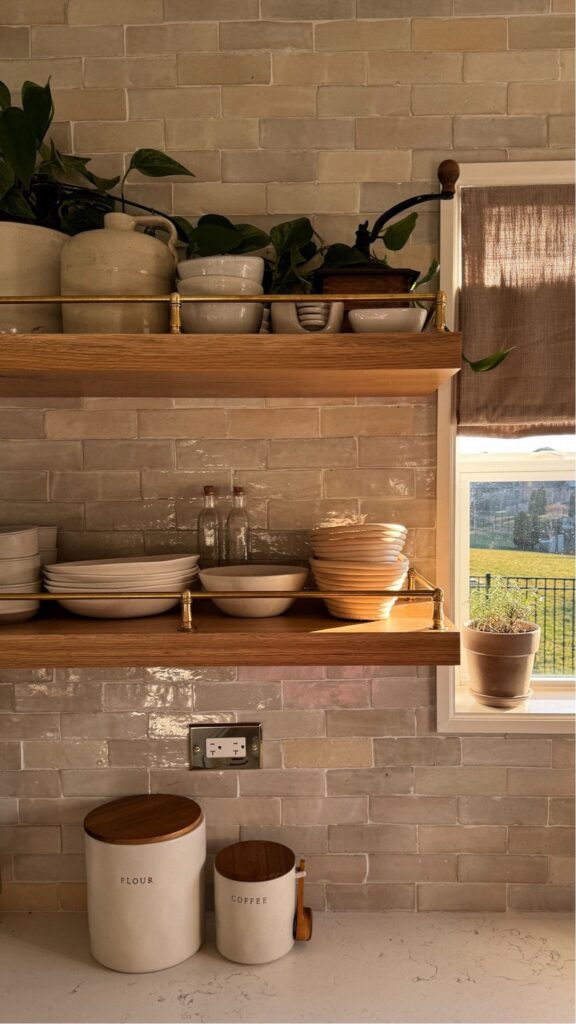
x,y
19,570
220,286
235,266
360,529
401,564
378,321
139,565
254,577
119,607
146,588
126,582
18,541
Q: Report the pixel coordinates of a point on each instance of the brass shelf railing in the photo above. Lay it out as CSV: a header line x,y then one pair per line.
x,y
188,597
175,301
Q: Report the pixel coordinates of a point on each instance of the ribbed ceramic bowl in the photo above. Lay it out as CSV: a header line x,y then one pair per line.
x,y
251,267
19,570
18,541
348,577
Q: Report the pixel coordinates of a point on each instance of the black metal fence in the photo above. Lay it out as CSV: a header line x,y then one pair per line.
x,y
554,609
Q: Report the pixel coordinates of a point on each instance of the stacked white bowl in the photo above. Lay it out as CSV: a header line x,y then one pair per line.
x,y
19,571
143,575
359,557
221,275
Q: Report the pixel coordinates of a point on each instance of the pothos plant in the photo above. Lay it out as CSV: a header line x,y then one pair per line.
x,y
41,185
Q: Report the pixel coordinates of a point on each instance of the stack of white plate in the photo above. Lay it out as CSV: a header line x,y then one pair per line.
x,y
143,575
19,571
360,558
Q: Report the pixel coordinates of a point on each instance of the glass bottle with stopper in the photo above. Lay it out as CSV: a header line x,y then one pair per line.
x,y
238,530
209,530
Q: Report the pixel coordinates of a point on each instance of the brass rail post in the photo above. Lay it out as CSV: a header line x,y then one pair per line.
x,y
175,322
438,610
187,624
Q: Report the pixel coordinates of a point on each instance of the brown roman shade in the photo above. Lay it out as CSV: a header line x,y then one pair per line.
x,y
518,291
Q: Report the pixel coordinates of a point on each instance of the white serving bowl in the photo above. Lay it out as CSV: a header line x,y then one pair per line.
x,y
254,577
137,566
361,529
18,541
251,267
377,321
19,610
400,565
119,607
220,286
19,570
47,537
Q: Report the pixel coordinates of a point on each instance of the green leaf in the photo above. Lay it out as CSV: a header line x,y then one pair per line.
x,y
212,240
183,227
5,96
38,106
488,362
396,236
340,255
430,273
292,232
250,238
18,143
155,164
216,218
15,205
6,178
75,166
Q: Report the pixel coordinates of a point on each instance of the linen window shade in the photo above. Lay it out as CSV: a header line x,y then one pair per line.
x,y
518,290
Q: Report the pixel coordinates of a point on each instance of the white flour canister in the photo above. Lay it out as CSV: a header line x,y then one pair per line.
x,y
145,859
255,901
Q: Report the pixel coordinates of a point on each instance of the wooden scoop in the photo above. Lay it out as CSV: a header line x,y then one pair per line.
x,y
303,918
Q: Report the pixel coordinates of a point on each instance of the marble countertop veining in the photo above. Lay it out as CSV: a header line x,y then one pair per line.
x,y
394,967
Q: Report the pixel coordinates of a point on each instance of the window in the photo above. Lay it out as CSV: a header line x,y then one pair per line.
x,y
505,507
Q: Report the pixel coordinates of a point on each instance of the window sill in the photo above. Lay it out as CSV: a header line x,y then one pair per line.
x,y
550,710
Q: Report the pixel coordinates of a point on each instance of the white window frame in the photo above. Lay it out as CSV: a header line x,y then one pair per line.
x,y
550,710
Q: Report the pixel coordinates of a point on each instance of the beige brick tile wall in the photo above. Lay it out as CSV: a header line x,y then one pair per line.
x,y
280,108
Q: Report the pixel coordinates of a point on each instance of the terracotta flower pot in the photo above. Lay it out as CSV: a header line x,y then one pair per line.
x,y
500,665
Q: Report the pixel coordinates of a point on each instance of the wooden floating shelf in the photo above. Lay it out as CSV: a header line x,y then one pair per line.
x,y
306,635
227,365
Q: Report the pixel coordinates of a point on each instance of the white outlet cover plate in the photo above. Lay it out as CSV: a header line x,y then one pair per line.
x,y
217,745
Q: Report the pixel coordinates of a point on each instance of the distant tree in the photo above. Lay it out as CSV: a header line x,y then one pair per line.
x,y
527,532
538,502
571,503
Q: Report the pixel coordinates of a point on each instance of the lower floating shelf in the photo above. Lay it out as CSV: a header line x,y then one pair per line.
x,y
306,635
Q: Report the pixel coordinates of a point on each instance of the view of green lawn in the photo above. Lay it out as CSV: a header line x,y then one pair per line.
x,y
554,611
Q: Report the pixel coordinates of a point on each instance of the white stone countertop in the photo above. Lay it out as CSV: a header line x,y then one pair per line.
x,y
358,967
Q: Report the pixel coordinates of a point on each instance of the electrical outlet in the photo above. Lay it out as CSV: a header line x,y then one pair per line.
x,y
217,745
226,747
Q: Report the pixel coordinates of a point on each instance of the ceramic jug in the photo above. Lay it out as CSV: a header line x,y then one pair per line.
x,y
30,265
118,260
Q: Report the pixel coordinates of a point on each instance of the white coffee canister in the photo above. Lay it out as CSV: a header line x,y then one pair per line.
x,y
145,859
255,901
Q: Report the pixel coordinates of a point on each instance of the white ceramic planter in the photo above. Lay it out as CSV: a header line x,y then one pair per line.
x,y
146,898
255,919
30,265
118,260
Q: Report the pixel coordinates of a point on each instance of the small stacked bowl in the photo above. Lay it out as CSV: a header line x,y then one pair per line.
x,y
143,575
221,275
363,558
19,571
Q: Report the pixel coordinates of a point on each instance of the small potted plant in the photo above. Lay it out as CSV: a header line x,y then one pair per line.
x,y
501,642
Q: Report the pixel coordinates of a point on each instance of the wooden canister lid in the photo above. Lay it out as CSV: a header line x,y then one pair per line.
x,y
136,820
256,860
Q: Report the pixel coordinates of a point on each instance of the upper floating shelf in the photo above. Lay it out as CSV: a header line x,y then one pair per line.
x,y
227,365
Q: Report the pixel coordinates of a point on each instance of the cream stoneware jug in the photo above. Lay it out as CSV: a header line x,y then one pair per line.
x,y
118,260
30,265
